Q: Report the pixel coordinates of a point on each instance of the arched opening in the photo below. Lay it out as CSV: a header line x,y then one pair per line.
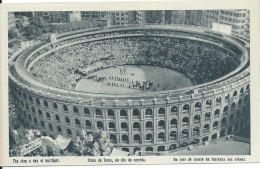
x,y
42,124
235,93
161,148
231,118
137,138
67,120
161,112
69,133
45,103
207,116
40,113
247,87
242,90
149,149
111,126
222,133
86,112
136,113
173,135
98,113
161,136
198,106
208,103
112,138
215,125
233,106
172,147
240,102
59,129
173,123
161,124
148,112
149,137
88,124
196,131
174,110
48,116
225,109
77,122
206,128
75,110
33,110
196,119
100,125
195,141
226,96
205,139
186,108
30,98
149,125
216,114
136,126
57,118
218,100
123,113
185,121
55,106
185,133
110,113
35,121
125,149
125,138
65,108
230,130
124,126
224,122
38,102
184,144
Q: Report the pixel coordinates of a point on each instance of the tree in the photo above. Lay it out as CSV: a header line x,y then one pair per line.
x,y
13,33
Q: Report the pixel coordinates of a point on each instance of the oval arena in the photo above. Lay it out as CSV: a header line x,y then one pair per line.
x,y
151,88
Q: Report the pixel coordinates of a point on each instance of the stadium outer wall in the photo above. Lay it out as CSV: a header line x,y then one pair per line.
x,y
176,119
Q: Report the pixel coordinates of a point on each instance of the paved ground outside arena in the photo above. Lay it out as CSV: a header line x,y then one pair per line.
x,y
161,77
228,147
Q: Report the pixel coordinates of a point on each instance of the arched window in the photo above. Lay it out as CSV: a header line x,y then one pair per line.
x,y
77,122
224,122
65,108
69,133
75,110
136,113
123,113
214,136
149,112
242,90
235,93
35,121
110,113
42,124
24,96
195,131
149,137
30,98
161,124
149,149
185,133
173,123
27,107
215,125
231,117
247,87
98,113
174,109
88,124
226,96
205,139
149,125
55,106
45,104
86,111
40,112
111,125
206,128
38,102
239,102
198,106
125,138
137,138
196,118
48,115
99,125
112,138
33,110
161,112
172,147
50,127
218,100
233,106
57,118
30,117
124,126
208,103
161,136
216,114
225,109
185,121
173,135
186,107
59,129
136,126
67,120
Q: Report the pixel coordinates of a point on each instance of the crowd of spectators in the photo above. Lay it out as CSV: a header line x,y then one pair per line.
x,y
199,60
